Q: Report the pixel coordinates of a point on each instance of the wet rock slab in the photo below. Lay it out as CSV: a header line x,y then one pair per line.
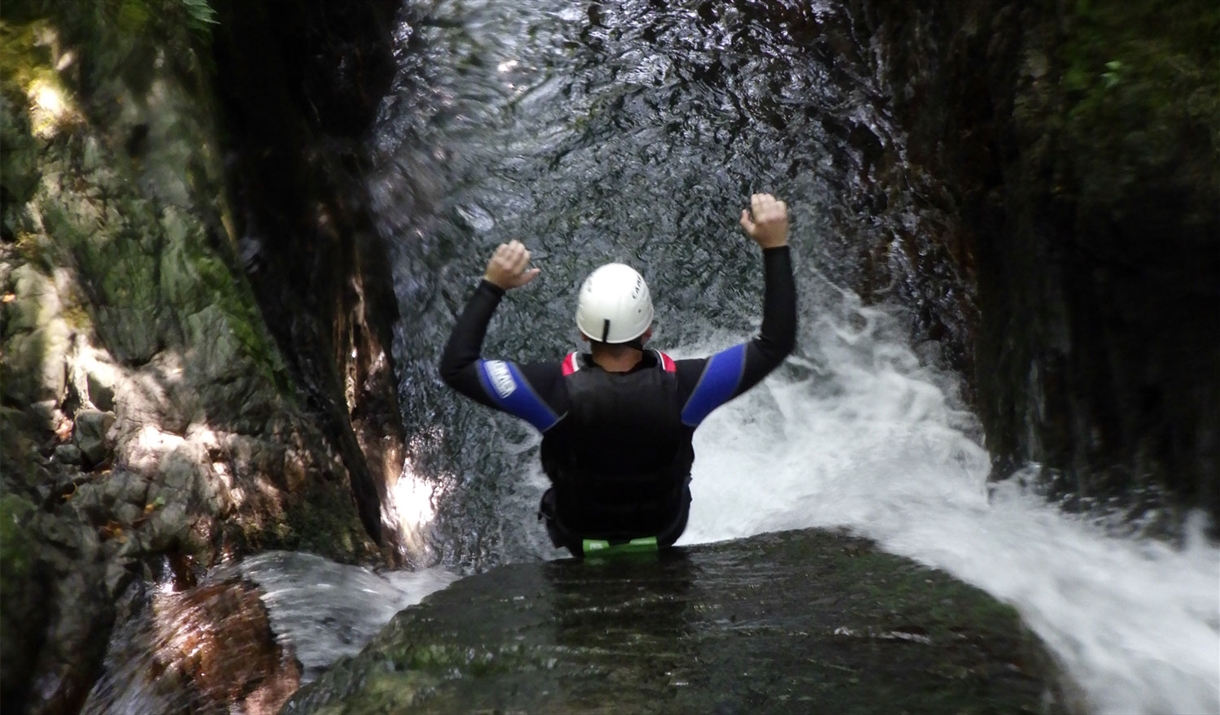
x,y
803,621
203,650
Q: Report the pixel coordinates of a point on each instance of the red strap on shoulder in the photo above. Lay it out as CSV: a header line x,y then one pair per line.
x,y
571,364
667,362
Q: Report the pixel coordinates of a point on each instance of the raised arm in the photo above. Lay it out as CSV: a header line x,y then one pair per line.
x,y
769,228
496,383
505,271
463,352
727,374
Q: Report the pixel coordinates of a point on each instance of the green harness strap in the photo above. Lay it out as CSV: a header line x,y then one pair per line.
x,y
598,547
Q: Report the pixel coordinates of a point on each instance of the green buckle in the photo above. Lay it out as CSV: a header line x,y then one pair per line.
x,y
599,547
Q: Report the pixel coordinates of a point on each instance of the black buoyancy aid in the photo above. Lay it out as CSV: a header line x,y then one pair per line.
x,y
621,457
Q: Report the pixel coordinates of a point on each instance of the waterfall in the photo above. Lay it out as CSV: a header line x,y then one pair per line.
x,y
867,440
634,132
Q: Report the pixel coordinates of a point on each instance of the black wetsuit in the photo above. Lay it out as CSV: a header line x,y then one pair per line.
x,y
617,446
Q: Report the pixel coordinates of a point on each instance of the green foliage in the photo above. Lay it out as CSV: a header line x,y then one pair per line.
x,y
1159,51
111,37
1141,95
15,555
199,14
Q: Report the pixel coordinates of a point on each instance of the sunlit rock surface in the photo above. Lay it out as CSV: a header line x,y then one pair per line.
x,y
147,410
799,622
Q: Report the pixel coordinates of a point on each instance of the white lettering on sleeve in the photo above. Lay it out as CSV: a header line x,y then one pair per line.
x,y
500,377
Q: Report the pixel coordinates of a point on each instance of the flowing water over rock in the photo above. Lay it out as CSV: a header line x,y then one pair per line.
x,y
792,622
325,610
626,132
248,635
635,131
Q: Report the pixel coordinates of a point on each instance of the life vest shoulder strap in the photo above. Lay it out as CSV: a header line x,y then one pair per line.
x,y
571,364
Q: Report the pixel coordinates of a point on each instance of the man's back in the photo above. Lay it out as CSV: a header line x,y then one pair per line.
x,y
621,458
617,422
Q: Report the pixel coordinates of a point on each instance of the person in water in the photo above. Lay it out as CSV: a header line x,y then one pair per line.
x,y
617,421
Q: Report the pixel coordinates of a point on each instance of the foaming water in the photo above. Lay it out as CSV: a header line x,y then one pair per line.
x,y
635,131
208,648
326,610
858,435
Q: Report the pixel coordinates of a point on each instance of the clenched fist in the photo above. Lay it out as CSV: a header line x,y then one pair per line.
x,y
769,224
506,269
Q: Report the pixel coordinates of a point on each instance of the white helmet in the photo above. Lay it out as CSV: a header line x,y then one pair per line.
x,y
614,305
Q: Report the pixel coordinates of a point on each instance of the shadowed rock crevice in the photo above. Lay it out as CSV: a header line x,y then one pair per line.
x,y
1081,151
295,129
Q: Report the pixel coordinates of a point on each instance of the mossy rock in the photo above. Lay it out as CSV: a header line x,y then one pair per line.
x,y
1141,100
24,600
805,621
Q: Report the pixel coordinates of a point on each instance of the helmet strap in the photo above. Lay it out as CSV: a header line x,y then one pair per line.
x,y
634,343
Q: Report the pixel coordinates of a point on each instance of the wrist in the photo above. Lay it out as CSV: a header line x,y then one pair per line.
x,y
495,287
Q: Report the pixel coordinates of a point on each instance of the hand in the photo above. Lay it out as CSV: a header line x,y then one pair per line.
x,y
769,225
506,269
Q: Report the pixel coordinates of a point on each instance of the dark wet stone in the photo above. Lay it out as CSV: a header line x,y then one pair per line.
x,y
296,173
1085,184
799,622
67,454
25,597
91,429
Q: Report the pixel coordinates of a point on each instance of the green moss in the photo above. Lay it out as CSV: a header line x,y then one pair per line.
x,y
77,317
794,622
116,235
323,520
21,62
15,553
311,523
23,59
131,195
928,599
1141,93
133,17
237,301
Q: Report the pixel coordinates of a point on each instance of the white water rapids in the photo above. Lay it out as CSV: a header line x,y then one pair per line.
x,y
589,132
869,442
858,434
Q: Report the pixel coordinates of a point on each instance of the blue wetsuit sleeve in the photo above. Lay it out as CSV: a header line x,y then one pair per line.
x,y
509,390
499,384
728,373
